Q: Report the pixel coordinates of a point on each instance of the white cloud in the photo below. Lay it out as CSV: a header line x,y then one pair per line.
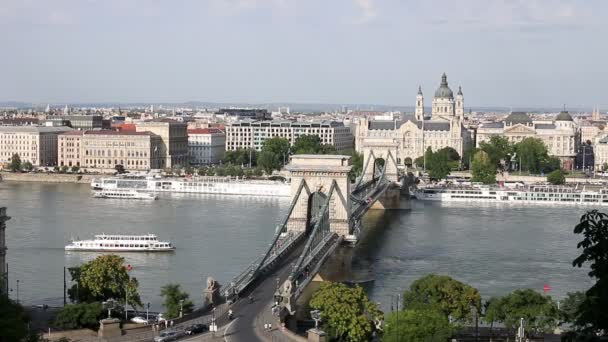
x,y
368,11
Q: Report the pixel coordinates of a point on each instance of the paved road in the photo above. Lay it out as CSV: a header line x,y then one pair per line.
x,y
251,317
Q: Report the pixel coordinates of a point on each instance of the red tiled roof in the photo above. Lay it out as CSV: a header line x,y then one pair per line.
x,y
125,127
204,131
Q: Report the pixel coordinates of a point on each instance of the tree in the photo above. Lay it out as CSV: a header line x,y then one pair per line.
x,y
450,153
538,311
103,278
467,156
594,228
451,297
532,152
13,322
27,166
277,146
173,294
437,164
346,312
188,170
357,162
493,312
307,144
64,169
268,161
419,161
497,148
83,315
569,310
483,169
556,177
202,171
120,169
75,169
15,163
419,325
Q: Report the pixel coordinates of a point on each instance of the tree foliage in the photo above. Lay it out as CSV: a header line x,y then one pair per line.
x,y
27,166
13,321
103,278
241,157
538,311
483,168
569,310
418,325
15,164
532,153
278,146
497,149
346,312
556,177
83,315
593,226
451,297
437,163
311,144
269,161
173,294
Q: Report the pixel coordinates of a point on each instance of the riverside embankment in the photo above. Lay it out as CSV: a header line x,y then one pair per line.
x,y
46,177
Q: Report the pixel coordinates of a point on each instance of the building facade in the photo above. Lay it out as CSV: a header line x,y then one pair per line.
x,y
561,136
37,145
84,122
252,134
206,145
174,140
104,150
413,134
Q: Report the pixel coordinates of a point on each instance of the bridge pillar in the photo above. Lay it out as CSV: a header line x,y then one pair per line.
x,y
318,172
386,150
391,200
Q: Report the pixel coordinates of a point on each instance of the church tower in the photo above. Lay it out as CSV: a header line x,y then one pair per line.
x,y
596,114
419,105
459,103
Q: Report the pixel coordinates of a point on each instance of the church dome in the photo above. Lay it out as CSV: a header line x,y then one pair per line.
x,y
444,90
563,116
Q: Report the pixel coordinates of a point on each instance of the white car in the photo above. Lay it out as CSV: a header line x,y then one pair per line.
x,y
139,320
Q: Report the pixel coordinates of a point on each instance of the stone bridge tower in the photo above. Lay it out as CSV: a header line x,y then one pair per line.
x,y
319,172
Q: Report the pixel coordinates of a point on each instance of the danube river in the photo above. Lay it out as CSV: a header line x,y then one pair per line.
x,y
496,248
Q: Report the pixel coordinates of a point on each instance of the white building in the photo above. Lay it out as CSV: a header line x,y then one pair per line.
x,y
37,145
560,136
206,145
252,134
413,134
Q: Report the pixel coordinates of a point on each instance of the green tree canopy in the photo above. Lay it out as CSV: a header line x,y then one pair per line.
x,y
357,163
420,325
103,278
450,153
538,311
346,312
307,144
593,226
13,321
15,164
451,297
437,164
483,169
27,166
556,177
497,149
571,306
278,146
269,161
83,315
240,157
173,294
531,152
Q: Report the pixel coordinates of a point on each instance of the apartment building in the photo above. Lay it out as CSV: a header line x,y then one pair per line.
x,y
174,140
37,145
206,145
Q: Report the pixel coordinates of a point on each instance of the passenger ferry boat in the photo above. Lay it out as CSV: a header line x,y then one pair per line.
x,y
532,194
121,243
202,185
124,194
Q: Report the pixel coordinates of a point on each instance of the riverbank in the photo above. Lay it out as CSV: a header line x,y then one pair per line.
x,y
46,177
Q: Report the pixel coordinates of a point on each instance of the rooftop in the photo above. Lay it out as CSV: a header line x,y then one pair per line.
x,y
205,131
518,118
33,129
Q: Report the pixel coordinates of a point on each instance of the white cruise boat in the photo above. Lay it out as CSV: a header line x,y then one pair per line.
x,y
533,194
124,194
121,243
201,185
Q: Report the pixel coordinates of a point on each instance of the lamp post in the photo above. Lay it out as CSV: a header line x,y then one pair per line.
x,y
147,311
17,291
316,316
181,308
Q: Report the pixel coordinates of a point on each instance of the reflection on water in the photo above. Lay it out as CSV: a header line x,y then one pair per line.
x,y
494,247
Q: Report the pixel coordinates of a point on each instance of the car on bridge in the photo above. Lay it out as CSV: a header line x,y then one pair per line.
x,y
196,329
169,335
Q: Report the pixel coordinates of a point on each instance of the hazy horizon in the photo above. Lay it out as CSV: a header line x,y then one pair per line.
x,y
520,53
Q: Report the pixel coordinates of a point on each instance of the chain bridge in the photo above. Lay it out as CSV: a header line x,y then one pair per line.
x,y
325,211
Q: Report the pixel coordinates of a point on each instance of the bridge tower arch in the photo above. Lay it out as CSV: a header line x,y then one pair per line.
x,y
318,173
373,150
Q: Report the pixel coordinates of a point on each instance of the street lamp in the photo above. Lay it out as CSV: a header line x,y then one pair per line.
x,y
109,304
147,311
181,308
316,316
212,326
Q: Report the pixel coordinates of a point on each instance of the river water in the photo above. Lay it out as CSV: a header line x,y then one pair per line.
x,y
496,248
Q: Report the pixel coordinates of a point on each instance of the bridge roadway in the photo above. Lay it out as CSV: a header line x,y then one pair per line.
x,y
250,318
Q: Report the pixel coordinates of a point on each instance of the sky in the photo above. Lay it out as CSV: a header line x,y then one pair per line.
x,y
502,52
